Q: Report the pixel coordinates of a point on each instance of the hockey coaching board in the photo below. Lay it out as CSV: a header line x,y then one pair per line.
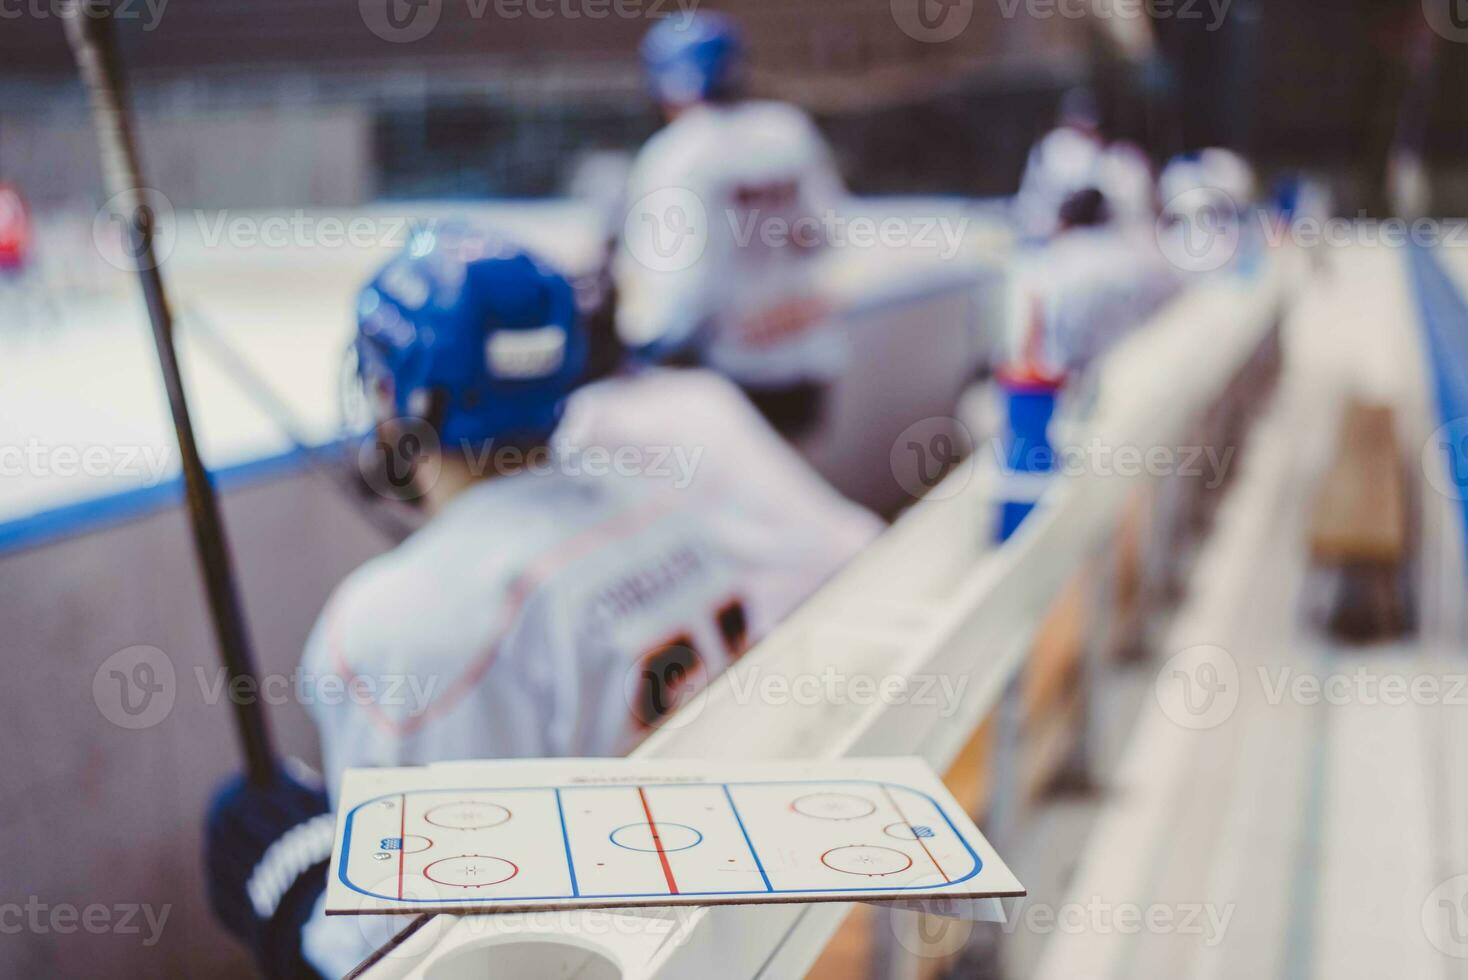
x,y
523,835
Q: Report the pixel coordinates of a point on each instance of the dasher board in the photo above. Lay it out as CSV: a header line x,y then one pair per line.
x,y
580,833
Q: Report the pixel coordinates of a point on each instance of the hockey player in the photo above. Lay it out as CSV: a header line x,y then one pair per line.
x,y
1214,171
728,207
1075,156
15,230
1071,299
1074,297
552,605
1209,216
22,300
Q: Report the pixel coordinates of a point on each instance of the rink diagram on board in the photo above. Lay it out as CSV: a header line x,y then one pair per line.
x,y
485,847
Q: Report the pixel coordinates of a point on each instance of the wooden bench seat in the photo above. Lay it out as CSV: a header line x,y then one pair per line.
x,y
1358,532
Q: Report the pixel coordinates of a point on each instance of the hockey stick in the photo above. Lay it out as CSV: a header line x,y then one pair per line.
x,y
89,30
268,834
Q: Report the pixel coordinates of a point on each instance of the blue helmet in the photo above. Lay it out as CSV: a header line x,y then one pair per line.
x,y
473,334
694,58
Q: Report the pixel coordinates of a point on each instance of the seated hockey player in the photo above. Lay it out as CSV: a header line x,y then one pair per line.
x,y
563,596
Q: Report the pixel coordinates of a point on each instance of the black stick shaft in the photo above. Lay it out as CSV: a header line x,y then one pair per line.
x,y
89,29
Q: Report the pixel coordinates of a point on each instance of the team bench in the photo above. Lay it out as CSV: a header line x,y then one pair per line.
x,y
1359,529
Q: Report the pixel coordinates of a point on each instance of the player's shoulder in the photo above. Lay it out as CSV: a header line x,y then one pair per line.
x,y
411,581
1065,149
711,128
715,399
778,123
452,580
1083,253
675,385
773,112
681,405
680,143
1103,261
358,628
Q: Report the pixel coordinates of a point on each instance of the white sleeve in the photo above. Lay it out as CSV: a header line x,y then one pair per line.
x,y
508,713
663,268
405,716
348,739
822,188
1033,208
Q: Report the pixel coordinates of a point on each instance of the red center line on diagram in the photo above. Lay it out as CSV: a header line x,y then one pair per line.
x,y
657,841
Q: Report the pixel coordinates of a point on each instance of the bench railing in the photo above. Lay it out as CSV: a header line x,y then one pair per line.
x,y
929,601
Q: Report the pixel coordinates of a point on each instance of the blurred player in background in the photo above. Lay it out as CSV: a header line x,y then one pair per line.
x,y
16,232
1071,300
1207,192
1208,199
1075,296
728,207
1075,156
552,605
1092,266
1215,169
25,297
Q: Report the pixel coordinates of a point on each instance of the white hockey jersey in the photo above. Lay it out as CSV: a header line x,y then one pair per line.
x,y
728,450
563,612
727,206
1083,291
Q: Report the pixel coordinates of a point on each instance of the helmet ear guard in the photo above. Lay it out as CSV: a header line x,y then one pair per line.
x,y
538,352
